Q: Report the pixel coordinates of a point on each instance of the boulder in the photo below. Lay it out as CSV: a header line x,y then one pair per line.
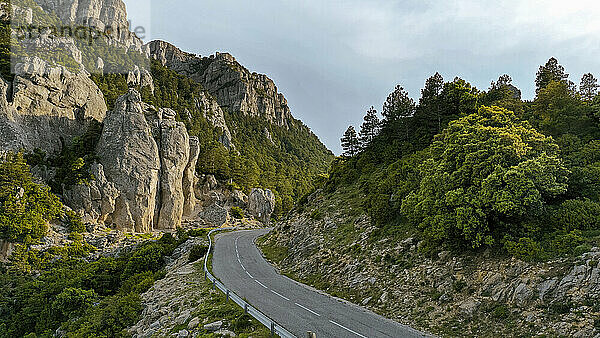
x,y
214,326
215,215
261,204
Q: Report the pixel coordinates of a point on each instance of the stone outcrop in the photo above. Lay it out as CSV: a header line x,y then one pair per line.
x,y
48,106
100,14
233,86
261,204
215,215
131,161
189,178
145,164
174,148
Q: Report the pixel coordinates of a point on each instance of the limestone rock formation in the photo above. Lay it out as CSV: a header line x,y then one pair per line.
x,y
234,87
189,178
131,161
261,204
145,177
215,215
100,14
174,149
48,106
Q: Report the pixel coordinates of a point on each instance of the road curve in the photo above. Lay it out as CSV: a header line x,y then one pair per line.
x,y
239,265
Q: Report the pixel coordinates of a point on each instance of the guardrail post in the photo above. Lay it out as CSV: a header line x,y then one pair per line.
x,y
214,286
227,296
245,308
272,329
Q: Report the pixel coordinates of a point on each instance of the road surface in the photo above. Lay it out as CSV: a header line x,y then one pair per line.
x,y
239,265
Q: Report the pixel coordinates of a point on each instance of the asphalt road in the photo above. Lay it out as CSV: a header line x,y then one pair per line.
x,y
238,263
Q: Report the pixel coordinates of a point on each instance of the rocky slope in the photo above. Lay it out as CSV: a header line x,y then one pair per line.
x,y
477,294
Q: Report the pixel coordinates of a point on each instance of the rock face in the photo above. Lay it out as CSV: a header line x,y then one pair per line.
x,y
145,165
47,106
174,151
131,161
261,204
100,14
234,87
189,177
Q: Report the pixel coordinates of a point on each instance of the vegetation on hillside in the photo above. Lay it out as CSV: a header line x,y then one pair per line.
x,y
469,169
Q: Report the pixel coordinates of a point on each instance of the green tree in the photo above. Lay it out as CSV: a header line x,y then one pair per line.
x,y
551,71
588,88
350,143
486,172
559,111
25,206
370,127
398,105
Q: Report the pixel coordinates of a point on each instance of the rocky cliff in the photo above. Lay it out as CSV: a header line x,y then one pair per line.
x,y
45,106
144,165
234,87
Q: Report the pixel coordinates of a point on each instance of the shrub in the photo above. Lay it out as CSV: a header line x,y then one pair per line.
x,y
25,206
74,301
197,252
73,222
237,213
198,232
524,248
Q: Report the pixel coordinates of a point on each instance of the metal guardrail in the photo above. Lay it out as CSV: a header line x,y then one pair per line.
x,y
249,309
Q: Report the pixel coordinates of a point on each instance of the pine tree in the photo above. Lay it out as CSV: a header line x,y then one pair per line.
x,y
588,89
370,127
350,143
549,72
430,102
398,105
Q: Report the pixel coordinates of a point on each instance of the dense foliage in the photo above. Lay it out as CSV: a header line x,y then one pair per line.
x,y
83,299
26,207
468,169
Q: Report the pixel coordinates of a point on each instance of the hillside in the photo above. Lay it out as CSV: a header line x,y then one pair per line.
x,y
468,212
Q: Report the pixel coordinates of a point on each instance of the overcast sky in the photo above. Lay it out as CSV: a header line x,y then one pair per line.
x,y
334,59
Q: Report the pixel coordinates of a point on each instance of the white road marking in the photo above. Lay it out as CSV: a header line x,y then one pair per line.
x,y
309,310
248,273
264,286
347,329
280,295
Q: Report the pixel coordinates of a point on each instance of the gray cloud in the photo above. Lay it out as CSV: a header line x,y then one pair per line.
x,y
334,59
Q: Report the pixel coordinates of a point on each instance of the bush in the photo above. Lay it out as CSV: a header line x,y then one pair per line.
x,y
578,215
74,301
197,252
25,206
198,232
524,248
237,213
74,222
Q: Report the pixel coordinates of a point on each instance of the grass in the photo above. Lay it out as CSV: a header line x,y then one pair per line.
x,y
273,252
